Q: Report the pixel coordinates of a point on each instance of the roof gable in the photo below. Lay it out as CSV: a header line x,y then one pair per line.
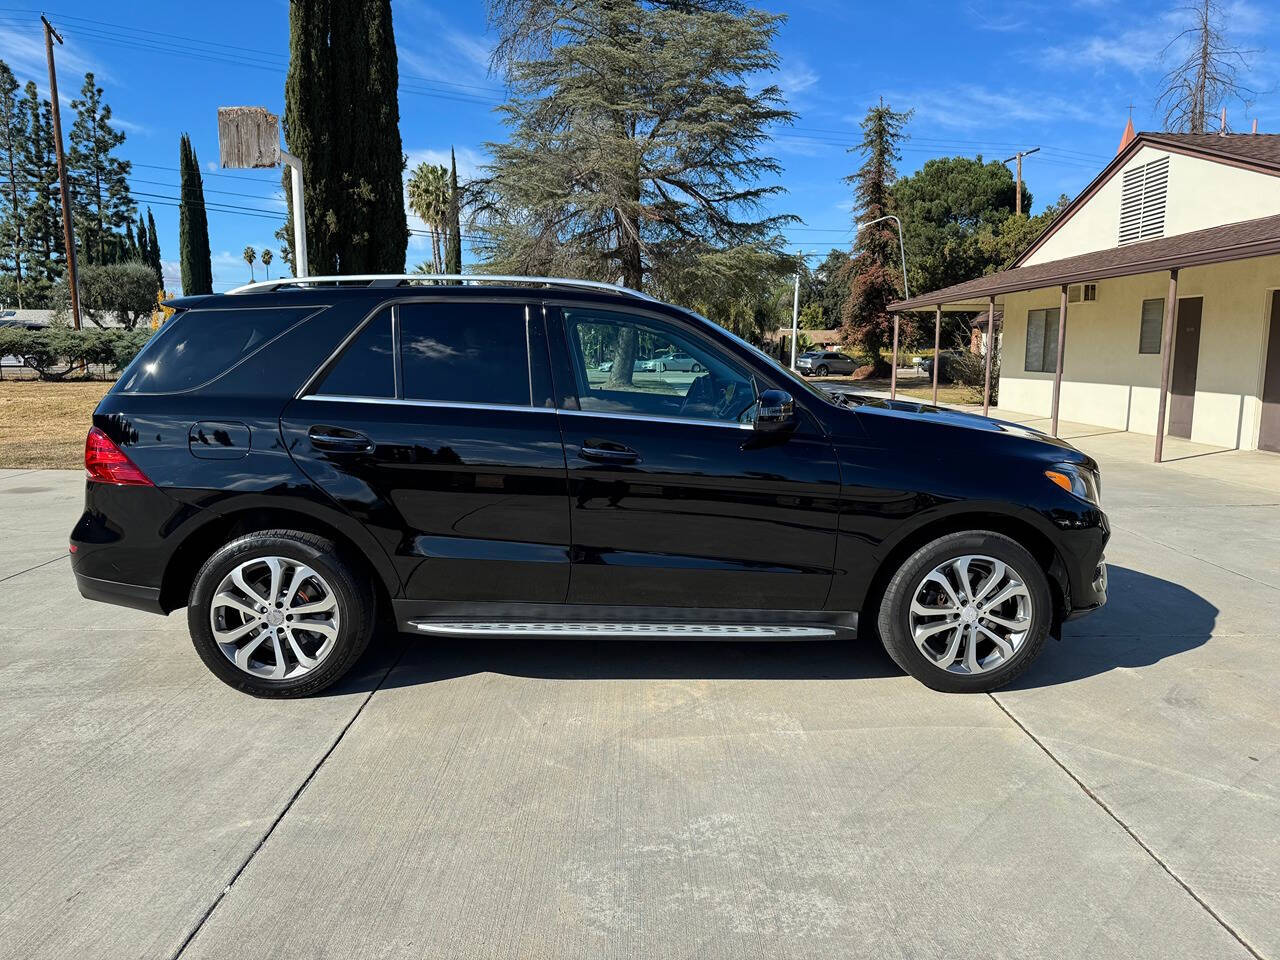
x,y
1259,153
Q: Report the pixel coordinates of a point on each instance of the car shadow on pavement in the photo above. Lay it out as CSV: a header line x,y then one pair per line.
x,y
1146,620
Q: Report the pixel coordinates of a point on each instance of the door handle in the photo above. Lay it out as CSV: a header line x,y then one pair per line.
x,y
607,451
339,440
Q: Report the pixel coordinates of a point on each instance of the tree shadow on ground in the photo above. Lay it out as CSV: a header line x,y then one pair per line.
x,y
1146,620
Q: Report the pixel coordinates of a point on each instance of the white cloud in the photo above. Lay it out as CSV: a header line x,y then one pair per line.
x,y
975,107
24,52
795,77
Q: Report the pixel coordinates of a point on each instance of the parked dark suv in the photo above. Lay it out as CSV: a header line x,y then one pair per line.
x,y
293,460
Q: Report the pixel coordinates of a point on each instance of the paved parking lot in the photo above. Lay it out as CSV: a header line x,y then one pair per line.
x,y
606,799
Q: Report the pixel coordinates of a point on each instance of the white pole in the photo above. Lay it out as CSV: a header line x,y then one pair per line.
x,y
795,316
299,215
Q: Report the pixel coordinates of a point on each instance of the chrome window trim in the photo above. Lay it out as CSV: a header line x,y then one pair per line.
x,y
650,418
458,405
445,404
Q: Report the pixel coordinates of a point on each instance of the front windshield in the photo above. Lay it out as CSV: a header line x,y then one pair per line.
x,y
791,379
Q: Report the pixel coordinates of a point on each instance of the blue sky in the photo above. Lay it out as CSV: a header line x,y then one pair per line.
x,y
982,76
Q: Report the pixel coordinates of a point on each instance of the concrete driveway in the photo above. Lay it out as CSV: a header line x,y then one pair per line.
x,y
596,799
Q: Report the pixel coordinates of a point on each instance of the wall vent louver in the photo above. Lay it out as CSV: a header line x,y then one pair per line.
x,y
1143,194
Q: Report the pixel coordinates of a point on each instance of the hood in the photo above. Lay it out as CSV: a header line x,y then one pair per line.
x,y
921,412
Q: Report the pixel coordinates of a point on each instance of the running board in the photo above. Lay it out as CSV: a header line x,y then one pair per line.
x,y
688,631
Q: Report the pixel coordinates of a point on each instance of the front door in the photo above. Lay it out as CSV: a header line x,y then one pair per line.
x,y
1186,359
675,502
435,428
1269,428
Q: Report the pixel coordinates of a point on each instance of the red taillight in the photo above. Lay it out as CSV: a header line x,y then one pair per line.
x,y
106,462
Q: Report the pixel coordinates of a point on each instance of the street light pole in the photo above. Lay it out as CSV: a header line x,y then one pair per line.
x,y
906,295
795,311
299,214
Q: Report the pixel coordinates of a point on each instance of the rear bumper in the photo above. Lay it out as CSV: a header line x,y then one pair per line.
x,y
122,594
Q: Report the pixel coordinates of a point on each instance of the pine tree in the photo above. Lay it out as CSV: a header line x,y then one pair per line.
x,y
636,128
42,225
13,131
874,275
193,224
453,255
101,203
153,247
342,118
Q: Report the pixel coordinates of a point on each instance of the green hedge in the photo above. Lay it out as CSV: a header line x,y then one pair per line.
x,y
57,352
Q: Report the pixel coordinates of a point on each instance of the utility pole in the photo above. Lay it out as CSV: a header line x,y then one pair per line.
x,y
50,35
1018,156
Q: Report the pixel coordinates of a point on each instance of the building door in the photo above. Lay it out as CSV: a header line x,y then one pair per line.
x,y
1269,429
1186,357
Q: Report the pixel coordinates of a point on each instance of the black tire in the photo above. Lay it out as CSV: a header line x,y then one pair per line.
x,y
822,370
696,368
893,621
355,603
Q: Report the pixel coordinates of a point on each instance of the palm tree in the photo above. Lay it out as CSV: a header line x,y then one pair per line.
x,y
266,258
429,199
249,257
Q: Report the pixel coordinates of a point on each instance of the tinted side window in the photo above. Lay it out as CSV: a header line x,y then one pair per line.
x,y
367,366
464,352
199,345
625,364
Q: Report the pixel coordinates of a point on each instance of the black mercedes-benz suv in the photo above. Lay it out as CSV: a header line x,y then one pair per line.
x,y
485,456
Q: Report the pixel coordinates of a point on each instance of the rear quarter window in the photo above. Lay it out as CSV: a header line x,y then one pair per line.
x,y
201,345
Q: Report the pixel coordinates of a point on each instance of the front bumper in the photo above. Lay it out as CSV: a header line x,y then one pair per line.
x,y
1094,594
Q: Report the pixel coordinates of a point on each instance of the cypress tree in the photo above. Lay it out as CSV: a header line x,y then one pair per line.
x,y
342,117
453,255
153,247
193,225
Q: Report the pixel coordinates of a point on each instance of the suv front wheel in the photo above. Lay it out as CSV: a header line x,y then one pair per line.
x,y
967,612
279,614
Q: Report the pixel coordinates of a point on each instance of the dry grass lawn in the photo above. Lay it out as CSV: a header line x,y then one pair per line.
x,y
44,424
913,387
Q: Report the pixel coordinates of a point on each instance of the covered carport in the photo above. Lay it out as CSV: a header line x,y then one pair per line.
x,y
1202,250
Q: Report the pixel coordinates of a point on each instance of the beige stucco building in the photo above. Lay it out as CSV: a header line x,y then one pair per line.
x,y
1088,333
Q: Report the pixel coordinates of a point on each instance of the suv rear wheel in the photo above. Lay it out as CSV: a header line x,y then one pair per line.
x,y
279,614
967,612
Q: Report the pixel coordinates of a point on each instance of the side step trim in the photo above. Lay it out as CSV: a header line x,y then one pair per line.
x,y
691,631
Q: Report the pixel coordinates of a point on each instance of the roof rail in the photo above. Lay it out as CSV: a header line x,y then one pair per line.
x,y
403,279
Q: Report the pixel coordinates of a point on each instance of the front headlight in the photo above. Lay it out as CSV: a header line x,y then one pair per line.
x,y
1081,481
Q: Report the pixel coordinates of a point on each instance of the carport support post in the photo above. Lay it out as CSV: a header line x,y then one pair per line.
x,y
937,339
1062,344
1166,358
991,346
893,374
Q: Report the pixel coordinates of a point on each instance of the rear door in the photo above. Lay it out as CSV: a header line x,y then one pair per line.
x,y
675,501
435,426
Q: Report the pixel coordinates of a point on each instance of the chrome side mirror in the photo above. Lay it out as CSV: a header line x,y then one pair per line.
x,y
775,411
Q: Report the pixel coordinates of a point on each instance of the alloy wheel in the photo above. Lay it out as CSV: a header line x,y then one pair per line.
x,y
274,617
970,614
